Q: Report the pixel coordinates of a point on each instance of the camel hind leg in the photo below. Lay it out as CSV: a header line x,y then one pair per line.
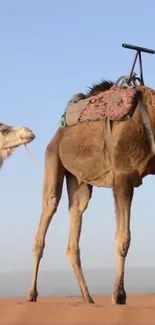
x,y
52,189
123,195
79,196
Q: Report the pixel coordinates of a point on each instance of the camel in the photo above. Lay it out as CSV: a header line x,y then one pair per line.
x,y
12,137
80,154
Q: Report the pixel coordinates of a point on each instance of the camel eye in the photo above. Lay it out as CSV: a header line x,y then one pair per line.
x,y
4,132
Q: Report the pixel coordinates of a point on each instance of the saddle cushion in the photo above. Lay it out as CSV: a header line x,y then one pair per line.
x,y
117,103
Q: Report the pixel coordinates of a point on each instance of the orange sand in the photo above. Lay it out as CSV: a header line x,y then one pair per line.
x,y
140,310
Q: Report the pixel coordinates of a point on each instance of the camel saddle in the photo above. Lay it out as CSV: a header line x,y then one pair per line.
x,y
118,103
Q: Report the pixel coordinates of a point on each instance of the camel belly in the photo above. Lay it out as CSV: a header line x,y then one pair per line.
x,y
84,153
85,156
88,171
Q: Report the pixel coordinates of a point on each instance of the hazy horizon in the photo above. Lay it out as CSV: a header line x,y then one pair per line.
x,y
63,283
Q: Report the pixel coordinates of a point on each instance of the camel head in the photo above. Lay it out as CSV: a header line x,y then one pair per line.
x,y
12,137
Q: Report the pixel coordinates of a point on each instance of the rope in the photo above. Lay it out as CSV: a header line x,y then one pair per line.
x,y
32,156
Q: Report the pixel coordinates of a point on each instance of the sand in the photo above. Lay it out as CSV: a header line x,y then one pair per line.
x,y
139,310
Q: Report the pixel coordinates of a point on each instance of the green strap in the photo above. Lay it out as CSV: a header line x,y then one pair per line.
x,y
63,123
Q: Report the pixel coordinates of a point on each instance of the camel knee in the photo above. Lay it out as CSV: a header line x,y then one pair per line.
x,y
50,204
72,250
123,243
73,253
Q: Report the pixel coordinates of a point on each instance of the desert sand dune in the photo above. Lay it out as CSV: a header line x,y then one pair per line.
x,y
140,310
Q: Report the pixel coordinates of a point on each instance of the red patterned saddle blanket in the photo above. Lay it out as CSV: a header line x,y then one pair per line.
x,y
118,103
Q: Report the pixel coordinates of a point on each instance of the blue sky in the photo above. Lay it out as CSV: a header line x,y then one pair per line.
x,y
50,50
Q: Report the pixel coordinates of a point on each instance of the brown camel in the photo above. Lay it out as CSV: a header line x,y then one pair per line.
x,y
12,137
80,153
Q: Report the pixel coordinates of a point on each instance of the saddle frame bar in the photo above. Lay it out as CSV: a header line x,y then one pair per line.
x,y
138,55
138,48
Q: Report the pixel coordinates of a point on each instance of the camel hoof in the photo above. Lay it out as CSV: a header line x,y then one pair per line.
x,y
119,299
89,300
32,296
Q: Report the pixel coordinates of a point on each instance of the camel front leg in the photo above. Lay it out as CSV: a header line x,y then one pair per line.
x,y
53,181
123,194
79,196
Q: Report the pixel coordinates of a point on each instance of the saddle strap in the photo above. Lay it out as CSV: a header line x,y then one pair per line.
x,y
109,137
147,126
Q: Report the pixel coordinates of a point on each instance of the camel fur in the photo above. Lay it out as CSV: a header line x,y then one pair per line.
x,y
80,154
